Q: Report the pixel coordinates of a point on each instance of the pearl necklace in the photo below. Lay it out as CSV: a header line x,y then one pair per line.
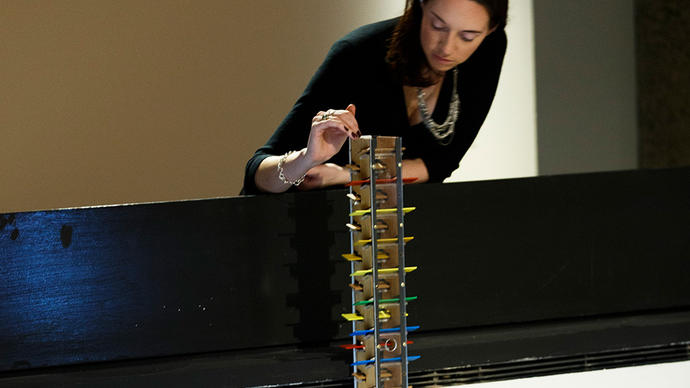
x,y
442,132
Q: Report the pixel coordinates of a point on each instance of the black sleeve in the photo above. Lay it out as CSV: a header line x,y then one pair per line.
x,y
330,88
477,81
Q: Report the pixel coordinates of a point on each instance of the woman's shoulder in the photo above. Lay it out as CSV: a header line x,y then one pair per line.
x,y
494,45
364,47
489,55
370,35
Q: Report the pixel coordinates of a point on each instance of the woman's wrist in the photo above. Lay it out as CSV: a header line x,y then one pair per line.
x,y
309,159
293,167
281,171
303,161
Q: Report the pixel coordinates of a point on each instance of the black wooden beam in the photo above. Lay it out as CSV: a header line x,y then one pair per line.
x,y
151,281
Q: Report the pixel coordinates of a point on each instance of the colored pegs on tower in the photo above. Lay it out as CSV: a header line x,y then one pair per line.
x,y
377,259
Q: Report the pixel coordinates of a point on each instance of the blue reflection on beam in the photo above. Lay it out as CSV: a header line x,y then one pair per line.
x,y
54,287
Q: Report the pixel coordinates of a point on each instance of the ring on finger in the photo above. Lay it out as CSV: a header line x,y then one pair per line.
x,y
325,116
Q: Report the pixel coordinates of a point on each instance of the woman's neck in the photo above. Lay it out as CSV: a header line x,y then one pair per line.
x,y
431,94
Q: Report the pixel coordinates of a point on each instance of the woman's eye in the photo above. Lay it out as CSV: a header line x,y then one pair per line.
x,y
436,25
468,37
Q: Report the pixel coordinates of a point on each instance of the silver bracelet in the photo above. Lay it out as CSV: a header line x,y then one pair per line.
x,y
281,172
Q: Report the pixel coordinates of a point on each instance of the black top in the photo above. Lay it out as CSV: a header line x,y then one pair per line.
x,y
355,71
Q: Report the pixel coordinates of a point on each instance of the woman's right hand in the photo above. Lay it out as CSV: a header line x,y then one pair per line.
x,y
329,130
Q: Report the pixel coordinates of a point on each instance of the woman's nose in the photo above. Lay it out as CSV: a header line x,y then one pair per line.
x,y
445,46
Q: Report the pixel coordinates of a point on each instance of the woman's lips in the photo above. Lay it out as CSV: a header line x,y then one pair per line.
x,y
441,59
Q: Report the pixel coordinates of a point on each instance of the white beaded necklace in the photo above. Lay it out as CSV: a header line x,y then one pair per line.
x,y
442,132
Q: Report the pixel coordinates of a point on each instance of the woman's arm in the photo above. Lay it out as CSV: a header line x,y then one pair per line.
x,y
321,175
330,174
415,168
329,131
331,86
294,166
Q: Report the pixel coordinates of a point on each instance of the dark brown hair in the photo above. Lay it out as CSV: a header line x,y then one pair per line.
x,y
405,54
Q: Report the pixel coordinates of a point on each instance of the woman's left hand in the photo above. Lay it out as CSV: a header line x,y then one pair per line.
x,y
323,175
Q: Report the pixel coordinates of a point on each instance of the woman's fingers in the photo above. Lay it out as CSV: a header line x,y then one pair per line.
x,y
346,117
326,138
334,125
350,122
318,116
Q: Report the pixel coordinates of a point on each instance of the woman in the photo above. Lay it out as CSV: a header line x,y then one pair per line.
x,y
429,77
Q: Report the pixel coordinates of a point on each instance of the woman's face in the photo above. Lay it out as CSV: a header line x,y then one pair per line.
x,y
451,31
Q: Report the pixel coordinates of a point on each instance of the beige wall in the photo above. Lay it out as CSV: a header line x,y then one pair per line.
x,y
120,101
